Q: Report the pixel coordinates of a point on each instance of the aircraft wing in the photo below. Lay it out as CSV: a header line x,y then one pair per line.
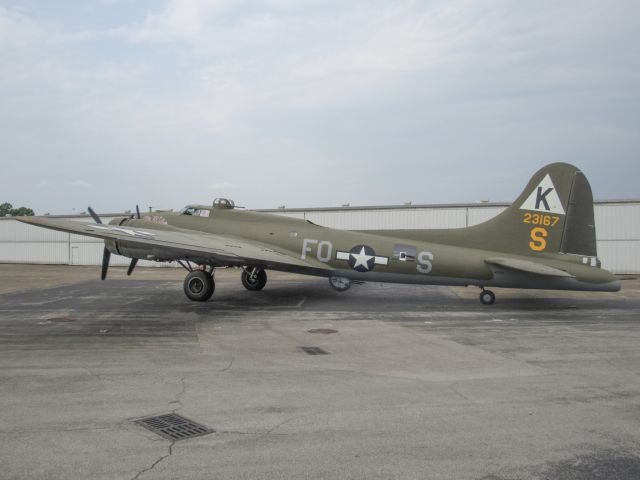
x,y
168,243
527,267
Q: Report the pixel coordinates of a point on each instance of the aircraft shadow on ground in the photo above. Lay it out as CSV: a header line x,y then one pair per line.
x,y
315,294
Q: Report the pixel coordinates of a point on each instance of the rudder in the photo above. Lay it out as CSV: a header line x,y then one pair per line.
x,y
553,214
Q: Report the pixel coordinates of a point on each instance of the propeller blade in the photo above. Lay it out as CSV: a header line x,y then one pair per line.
x,y
132,265
106,256
96,218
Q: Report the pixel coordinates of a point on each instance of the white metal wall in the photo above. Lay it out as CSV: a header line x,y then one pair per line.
x,y
398,217
617,226
618,233
23,243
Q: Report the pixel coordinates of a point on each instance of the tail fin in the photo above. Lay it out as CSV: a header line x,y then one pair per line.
x,y
554,214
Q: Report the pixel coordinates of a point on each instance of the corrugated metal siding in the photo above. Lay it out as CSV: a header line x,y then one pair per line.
x,y
389,219
22,243
620,256
285,213
35,252
14,231
618,221
482,214
398,218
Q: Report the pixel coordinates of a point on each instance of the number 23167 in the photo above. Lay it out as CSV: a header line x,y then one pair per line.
x,y
538,219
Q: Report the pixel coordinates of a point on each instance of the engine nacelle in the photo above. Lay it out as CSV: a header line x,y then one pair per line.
x,y
132,249
142,252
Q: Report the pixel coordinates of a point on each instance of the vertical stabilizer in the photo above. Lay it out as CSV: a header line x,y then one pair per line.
x,y
580,230
553,214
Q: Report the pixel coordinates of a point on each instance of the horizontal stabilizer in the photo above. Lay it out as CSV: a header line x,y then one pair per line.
x,y
527,266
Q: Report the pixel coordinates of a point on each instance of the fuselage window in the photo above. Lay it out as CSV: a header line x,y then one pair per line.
x,y
404,253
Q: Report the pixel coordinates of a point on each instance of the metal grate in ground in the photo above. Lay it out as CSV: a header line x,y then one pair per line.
x,y
314,351
173,426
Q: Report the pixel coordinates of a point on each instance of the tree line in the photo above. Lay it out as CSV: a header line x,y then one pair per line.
x,y
7,209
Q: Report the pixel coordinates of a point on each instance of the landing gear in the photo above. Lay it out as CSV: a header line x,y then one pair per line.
x,y
487,297
254,278
340,284
199,285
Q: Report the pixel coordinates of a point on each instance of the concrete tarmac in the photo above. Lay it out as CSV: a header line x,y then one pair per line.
x,y
416,383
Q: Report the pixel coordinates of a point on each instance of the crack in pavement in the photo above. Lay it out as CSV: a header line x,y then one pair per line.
x,y
453,388
227,367
178,400
154,464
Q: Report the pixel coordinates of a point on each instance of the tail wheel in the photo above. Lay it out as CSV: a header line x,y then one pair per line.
x,y
199,286
487,297
254,278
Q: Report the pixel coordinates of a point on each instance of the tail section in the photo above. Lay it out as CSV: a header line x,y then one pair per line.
x,y
579,236
554,214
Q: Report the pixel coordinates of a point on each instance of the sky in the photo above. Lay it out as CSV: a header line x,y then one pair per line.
x,y
309,103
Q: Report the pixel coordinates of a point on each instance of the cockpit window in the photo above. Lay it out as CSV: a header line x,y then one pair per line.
x,y
196,212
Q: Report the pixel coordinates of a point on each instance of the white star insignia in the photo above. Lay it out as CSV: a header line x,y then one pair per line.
x,y
362,259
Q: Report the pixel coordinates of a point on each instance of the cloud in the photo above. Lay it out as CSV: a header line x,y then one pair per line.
x,y
80,183
339,53
382,101
180,20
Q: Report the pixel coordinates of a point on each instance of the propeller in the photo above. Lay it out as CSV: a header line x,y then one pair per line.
x,y
132,265
106,254
134,261
94,215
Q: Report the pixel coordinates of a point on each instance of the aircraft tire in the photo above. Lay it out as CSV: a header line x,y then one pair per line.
x,y
199,286
487,297
340,284
255,284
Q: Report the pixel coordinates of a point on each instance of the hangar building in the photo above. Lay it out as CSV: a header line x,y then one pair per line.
x,y
617,228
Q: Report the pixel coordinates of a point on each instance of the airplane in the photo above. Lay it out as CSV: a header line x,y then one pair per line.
x,y
545,240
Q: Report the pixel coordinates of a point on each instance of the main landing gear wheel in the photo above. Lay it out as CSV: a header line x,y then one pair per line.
x,y
487,297
254,278
340,284
199,286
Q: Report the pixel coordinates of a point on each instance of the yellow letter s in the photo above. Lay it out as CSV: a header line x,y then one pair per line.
x,y
538,235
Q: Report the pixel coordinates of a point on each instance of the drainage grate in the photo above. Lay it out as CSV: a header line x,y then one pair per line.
x,y
323,331
174,427
314,351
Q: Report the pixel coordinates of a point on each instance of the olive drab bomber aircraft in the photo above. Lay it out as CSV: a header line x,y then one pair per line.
x,y
545,240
